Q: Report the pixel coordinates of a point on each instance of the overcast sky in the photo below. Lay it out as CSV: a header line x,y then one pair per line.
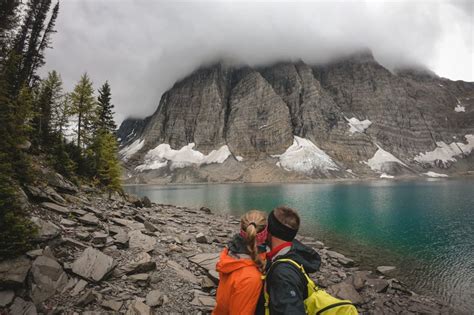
x,y
142,46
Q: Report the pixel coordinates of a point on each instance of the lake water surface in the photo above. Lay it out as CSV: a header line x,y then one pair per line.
x,y
424,228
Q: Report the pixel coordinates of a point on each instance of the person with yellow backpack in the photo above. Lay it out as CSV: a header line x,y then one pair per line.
x,y
287,288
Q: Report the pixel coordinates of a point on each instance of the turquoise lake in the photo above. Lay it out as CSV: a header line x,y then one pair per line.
x,y
424,228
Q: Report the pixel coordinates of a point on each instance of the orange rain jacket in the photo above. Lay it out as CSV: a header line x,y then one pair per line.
x,y
240,284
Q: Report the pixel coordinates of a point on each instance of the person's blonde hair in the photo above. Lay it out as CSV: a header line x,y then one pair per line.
x,y
251,223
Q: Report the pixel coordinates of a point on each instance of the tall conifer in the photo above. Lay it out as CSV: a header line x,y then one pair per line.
x,y
106,114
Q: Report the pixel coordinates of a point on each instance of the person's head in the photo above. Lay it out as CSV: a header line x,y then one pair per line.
x,y
283,224
253,229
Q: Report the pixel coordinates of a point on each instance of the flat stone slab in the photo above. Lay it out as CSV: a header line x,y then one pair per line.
x,y
112,305
6,297
22,307
93,265
346,291
385,269
133,225
89,219
68,223
140,240
48,278
13,272
183,273
154,298
207,261
137,263
138,308
46,230
56,208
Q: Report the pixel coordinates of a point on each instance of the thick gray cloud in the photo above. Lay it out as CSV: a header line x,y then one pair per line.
x,y
143,47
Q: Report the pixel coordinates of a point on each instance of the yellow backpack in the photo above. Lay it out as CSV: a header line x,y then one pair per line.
x,y
318,302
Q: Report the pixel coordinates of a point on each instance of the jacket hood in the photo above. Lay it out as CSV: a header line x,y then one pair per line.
x,y
237,245
303,255
229,264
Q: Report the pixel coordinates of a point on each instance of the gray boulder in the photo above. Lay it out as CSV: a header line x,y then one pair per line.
x,y
6,297
142,241
56,208
182,273
89,219
93,265
346,291
138,308
136,262
201,238
46,230
22,307
48,277
13,272
154,298
385,269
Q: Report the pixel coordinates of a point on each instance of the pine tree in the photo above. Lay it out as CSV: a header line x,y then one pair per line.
x,y
48,101
21,54
105,115
108,166
8,22
83,105
61,114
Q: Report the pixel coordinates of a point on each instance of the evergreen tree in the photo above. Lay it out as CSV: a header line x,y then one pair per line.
x,y
108,166
61,114
105,115
83,105
21,54
8,22
48,101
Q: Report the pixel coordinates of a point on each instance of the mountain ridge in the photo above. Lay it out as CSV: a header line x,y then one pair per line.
x,y
258,112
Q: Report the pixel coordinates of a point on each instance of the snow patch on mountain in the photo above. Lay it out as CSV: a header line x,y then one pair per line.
x,y
358,126
128,151
447,152
303,156
384,175
376,163
433,174
186,156
459,108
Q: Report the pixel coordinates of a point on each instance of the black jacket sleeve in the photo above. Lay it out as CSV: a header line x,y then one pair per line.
x,y
287,290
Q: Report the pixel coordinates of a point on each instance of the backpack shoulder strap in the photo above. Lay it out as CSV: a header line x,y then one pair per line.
x,y
300,267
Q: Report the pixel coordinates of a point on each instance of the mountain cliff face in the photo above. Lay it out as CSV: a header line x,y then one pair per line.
x,y
293,121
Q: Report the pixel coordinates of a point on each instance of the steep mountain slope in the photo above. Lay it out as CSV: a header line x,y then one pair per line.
x,y
293,121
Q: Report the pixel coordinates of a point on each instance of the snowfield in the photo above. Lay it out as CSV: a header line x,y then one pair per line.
x,y
433,174
380,158
358,126
184,157
383,175
303,156
127,152
447,152
459,109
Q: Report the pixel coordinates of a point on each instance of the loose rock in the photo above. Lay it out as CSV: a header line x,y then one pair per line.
x,y
138,308
139,240
6,297
48,278
385,269
22,307
154,298
13,272
93,265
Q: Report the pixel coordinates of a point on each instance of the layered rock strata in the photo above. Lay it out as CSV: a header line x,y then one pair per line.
x,y
257,112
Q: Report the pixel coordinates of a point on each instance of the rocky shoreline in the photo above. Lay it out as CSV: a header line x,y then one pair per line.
x,y
123,255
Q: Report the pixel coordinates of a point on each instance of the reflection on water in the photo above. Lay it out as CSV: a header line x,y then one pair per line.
x,y
425,228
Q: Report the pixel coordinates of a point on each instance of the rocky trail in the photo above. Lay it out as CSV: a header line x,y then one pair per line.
x,y
96,255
